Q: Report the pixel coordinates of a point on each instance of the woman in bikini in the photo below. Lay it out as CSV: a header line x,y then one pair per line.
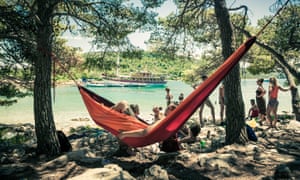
x,y
273,101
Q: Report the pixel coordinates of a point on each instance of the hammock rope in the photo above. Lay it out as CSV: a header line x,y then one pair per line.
x,y
56,60
271,19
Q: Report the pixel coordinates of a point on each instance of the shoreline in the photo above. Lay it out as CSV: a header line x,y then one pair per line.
x,y
68,103
66,125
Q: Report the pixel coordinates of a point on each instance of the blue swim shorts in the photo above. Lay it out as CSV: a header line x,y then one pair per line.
x,y
273,103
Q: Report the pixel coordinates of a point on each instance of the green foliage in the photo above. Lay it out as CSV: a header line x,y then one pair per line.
x,y
286,33
282,35
262,64
109,22
10,93
87,130
9,90
138,54
146,61
14,139
259,61
193,30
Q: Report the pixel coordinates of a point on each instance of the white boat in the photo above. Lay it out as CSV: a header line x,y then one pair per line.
x,y
139,79
106,83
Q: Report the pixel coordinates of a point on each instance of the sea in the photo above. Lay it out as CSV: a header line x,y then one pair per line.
x,y
69,109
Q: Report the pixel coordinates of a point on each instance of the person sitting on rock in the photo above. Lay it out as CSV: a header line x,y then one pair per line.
x,y
253,111
190,134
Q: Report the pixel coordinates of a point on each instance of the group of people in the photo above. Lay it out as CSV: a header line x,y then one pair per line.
x,y
185,135
169,97
266,111
207,103
210,105
262,110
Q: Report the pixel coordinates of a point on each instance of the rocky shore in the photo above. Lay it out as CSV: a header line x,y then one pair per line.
x,y
276,155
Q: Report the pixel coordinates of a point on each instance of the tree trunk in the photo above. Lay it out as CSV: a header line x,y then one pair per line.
x,y
47,140
235,112
294,93
296,103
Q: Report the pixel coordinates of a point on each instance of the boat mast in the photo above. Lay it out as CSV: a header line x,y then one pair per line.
x,y
118,64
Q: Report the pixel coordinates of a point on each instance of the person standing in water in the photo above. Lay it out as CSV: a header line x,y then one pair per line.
x,y
169,96
180,97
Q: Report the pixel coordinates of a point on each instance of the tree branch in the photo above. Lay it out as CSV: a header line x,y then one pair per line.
x,y
279,58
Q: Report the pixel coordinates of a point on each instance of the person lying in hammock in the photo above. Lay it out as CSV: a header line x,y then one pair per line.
x,y
169,145
131,110
121,107
143,132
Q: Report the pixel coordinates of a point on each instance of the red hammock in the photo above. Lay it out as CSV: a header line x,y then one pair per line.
x,y
100,111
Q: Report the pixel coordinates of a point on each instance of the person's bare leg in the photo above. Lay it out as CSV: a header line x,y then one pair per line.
x,y
261,119
200,115
212,110
213,114
275,118
268,118
222,112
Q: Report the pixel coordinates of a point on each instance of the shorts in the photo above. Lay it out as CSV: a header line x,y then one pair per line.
x,y
261,103
273,103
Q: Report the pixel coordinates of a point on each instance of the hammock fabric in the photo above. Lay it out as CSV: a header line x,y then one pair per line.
x,y
113,121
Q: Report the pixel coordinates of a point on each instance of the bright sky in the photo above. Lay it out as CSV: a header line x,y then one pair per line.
x,y
257,9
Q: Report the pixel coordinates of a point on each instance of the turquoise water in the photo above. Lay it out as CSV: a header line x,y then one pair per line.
x,y
69,105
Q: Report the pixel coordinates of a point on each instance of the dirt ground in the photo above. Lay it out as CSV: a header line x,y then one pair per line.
x,y
276,155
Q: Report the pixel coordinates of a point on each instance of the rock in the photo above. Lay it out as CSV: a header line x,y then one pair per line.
x,y
226,156
92,140
293,125
92,158
5,159
216,164
282,172
83,156
155,172
16,171
166,157
251,149
225,172
184,156
61,161
201,162
9,135
108,172
18,152
258,157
